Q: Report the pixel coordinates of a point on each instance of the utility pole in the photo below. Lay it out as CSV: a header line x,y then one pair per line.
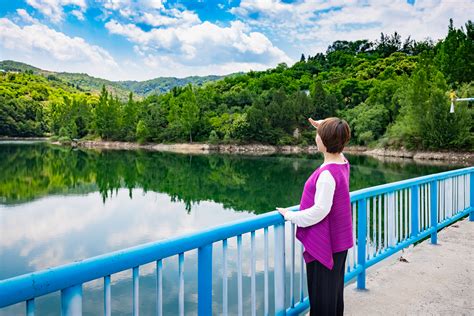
x,y
452,95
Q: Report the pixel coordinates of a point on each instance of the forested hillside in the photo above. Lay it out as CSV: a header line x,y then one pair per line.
x,y
121,89
393,92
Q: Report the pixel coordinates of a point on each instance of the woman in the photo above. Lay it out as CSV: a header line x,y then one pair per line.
x,y
325,221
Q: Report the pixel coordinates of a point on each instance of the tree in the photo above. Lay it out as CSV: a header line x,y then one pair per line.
x,y
142,132
456,55
259,127
106,115
325,105
129,120
368,122
189,113
278,110
184,113
82,117
388,45
424,121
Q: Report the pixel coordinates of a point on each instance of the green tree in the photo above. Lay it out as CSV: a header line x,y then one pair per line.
x,y
189,113
368,122
424,120
456,54
142,132
129,120
106,115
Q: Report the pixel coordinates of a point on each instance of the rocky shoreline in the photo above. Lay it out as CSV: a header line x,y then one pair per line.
x,y
466,158
4,138
260,149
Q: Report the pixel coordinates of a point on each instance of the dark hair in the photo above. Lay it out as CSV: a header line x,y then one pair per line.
x,y
335,134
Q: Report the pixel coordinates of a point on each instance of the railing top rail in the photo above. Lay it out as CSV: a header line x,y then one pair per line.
x,y
393,186
28,286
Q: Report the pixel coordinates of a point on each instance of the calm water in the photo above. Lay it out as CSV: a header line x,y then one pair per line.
x,y
58,205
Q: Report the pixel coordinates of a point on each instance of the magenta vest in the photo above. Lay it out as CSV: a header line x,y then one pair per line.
x,y
334,232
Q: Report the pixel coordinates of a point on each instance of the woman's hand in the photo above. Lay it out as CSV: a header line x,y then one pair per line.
x,y
315,123
282,210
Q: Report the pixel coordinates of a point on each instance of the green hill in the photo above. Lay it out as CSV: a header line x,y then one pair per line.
x,y
164,84
87,83
392,92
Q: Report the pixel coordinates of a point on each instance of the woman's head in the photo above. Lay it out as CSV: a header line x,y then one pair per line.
x,y
332,135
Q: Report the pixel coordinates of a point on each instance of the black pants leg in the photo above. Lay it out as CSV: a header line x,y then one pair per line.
x,y
326,287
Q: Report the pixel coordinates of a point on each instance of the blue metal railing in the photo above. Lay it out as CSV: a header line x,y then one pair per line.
x,y
390,217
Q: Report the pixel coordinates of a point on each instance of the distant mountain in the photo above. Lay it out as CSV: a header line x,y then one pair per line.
x,y
85,82
164,84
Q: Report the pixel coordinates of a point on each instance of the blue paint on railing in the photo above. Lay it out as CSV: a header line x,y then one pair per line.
x,y
361,246
205,280
442,211
434,211
471,214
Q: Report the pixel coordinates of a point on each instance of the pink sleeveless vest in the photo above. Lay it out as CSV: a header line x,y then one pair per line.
x,y
334,232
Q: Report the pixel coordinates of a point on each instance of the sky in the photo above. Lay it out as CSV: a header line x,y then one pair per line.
x,y
140,40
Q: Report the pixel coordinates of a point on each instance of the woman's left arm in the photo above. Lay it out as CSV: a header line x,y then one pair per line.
x,y
325,187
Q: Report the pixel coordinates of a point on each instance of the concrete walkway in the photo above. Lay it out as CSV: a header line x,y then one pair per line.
x,y
436,280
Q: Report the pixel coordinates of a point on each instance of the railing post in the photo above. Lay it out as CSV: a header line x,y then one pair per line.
x,y
107,296
391,214
71,301
136,288
181,284
30,307
279,272
414,211
434,210
361,240
471,199
205,280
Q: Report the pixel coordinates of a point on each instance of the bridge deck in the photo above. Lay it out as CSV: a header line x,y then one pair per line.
x,y
436,280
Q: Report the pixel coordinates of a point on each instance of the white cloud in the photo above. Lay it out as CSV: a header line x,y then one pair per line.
x,y
311,26
270,7
78,14
179,44
150,12
154,4
51,230
26,17
202,48
176,42
172,17
54,9
155,65
30,42
116,4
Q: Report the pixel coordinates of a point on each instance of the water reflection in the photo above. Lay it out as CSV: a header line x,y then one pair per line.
x,y
58,205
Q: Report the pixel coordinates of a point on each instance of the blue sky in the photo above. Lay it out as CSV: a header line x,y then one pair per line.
x,y
139,40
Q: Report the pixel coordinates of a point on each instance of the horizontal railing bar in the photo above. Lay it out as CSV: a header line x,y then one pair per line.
x,y
456,217
393,186
299,308
411,240
354,272
29,286
302,306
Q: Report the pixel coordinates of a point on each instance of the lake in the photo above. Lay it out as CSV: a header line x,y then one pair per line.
x,y
59,204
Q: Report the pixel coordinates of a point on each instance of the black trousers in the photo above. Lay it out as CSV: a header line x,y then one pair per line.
x,y
326,287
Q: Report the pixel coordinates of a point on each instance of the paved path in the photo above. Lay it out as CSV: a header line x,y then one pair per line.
x,y
436,280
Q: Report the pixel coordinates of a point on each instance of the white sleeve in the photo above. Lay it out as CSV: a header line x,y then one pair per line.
x,y
323,198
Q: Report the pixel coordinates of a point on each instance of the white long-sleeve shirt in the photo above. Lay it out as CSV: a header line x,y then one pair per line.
x,y
325,187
